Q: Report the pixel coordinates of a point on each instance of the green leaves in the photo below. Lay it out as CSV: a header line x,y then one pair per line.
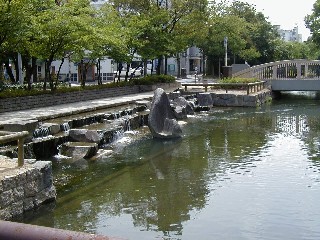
x,y
313,23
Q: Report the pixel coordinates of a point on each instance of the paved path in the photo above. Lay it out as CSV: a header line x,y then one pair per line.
x,y
74,108
71,108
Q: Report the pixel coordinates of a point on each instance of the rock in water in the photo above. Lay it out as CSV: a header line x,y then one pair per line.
x,y
85,135
161,121
79,150
187,107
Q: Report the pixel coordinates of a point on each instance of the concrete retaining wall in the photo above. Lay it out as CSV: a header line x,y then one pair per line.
x,y
45,100
25,188
22,103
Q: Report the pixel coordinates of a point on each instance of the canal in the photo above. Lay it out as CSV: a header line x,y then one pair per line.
x,y
237,173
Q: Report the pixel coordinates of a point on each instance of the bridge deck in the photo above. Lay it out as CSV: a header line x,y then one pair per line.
x,y
295,85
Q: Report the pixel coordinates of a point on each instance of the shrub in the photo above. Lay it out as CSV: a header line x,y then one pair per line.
x,y
239,80
153,79
17,90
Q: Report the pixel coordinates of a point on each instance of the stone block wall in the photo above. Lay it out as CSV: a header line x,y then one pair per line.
x,y
234,100
45,100
24,188
28,102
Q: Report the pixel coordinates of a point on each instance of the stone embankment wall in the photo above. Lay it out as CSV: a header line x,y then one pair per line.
x,y
24,188
235,100
45,100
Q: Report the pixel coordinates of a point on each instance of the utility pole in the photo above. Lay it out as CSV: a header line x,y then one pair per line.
x,y
225,43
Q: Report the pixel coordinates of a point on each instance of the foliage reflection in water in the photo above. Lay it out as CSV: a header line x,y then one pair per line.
x,y
237,173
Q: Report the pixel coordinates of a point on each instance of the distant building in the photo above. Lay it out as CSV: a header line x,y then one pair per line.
x,y
289,35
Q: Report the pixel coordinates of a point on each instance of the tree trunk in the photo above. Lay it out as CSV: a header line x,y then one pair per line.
x,y
145,68
15,61
178,66
46,74
165,65
1,73
83,74
119,70
9,71
159,65
28,68
127,73
58,74
34,69
99,72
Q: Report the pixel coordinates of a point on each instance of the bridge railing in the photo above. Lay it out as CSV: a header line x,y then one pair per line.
x,y
283,70
249,87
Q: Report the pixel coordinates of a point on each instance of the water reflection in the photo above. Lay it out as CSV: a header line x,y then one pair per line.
x,y
236,174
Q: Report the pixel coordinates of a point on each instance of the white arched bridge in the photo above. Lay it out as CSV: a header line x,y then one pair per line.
x,y
286,75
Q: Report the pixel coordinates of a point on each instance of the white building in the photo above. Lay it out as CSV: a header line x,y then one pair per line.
x,y
289,35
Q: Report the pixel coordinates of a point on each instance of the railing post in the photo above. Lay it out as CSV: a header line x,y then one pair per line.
x,y
274,71
298,66
306,69
6,136
20,152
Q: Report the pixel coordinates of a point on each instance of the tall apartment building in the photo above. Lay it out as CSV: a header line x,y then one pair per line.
x,y
289,35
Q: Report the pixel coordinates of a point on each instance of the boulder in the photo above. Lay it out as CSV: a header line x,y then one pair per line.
x,y
174,95
85,135
180,112
187,105
161,120
78,150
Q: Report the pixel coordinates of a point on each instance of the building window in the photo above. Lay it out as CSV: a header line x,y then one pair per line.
x,y
74,77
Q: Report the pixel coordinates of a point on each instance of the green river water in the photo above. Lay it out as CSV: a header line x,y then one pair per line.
x,y
237,173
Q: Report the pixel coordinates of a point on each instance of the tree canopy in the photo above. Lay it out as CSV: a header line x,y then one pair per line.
x,y
50,30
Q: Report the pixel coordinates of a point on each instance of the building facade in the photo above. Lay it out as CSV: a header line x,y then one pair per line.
x,y
289,35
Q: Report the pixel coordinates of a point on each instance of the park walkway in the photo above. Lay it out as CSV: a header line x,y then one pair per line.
x,y
71,108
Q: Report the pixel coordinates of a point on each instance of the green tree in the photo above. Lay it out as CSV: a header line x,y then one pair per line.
x,y
159,28
312,22
221,24
261,34
250,36
13,26
58,30
291,50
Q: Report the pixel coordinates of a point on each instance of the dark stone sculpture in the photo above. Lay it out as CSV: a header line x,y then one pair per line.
x,y
161,120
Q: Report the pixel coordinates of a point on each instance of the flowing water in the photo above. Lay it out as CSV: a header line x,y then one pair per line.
x,y
237,173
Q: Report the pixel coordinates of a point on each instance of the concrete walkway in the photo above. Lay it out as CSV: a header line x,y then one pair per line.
x,y
71,108
78,107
